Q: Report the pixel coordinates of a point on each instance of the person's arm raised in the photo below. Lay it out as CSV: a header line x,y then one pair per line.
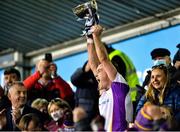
x,y
102,53
92,56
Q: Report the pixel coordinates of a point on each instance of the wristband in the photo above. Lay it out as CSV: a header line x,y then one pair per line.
x,y
90,41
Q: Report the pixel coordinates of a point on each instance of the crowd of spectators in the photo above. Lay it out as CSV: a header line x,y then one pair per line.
x,y
104,100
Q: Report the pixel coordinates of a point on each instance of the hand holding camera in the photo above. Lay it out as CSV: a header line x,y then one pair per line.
x,y
42,66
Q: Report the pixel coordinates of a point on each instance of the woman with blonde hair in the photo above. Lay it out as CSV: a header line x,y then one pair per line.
x,y
161,93
61,114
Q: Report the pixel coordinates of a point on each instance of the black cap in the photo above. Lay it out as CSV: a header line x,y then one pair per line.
x,y
177,55
160,52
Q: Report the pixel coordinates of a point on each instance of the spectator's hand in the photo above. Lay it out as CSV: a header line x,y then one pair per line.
x,y
41,67
16,114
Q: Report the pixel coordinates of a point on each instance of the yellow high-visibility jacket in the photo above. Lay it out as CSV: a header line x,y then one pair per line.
x,y
131,76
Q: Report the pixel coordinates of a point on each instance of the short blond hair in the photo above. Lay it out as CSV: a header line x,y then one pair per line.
x,y
59,102
39,102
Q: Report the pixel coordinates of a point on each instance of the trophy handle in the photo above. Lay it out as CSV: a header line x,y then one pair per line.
x,y
94,4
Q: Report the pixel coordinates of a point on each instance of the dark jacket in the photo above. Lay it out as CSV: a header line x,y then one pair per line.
x,y
83,125
173,74
4,102
86,94
176,76
26,110
171,99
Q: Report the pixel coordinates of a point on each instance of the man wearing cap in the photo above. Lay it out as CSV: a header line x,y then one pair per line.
x,y
161,56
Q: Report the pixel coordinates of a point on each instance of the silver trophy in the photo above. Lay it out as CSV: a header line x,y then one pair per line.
x,y
87,12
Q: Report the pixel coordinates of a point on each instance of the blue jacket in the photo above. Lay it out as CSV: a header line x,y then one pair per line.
x,y
172,100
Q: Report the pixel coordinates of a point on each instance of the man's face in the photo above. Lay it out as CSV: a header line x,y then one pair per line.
x,y
18,96
53,68
101,77
10,78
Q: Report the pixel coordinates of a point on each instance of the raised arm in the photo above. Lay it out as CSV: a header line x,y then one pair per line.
x,y
92,56
102,53
30,81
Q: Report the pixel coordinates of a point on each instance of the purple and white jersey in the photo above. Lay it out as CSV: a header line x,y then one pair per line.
x,y
116,106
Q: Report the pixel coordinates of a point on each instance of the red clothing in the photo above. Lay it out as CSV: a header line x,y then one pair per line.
x,y
65,91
